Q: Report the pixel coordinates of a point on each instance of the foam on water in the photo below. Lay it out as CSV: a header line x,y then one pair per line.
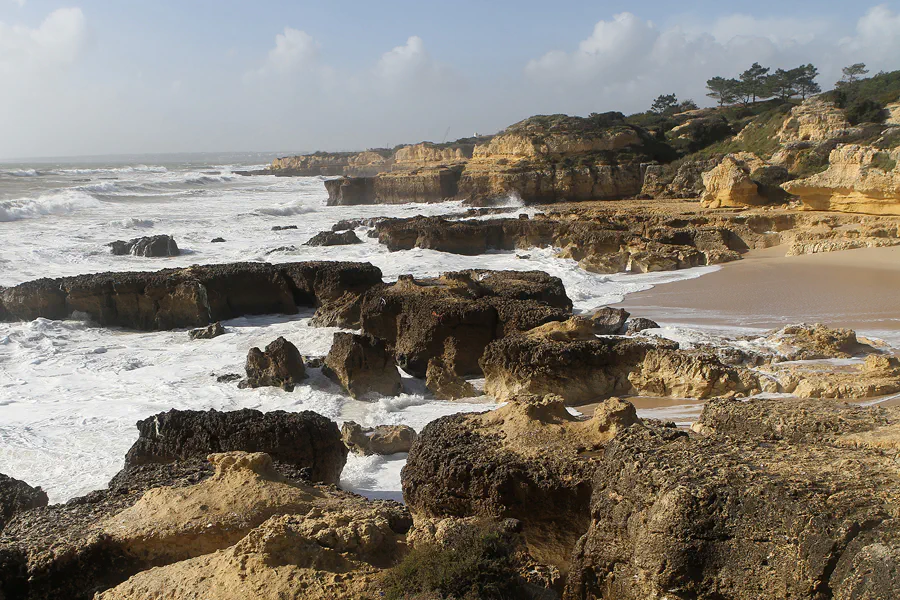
x,y
70,392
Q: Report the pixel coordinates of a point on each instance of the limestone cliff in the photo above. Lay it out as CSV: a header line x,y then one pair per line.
x,y
859,179
333,163
814,121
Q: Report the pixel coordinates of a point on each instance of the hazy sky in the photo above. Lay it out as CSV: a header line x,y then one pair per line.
x,y
100,77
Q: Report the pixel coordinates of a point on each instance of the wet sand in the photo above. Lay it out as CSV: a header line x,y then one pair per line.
x,y
859,289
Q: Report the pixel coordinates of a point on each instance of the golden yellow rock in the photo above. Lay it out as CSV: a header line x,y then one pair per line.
x,y
815,121
859,179
729,183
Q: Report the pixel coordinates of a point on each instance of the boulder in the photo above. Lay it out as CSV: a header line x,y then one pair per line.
x,y
281,365
639,324
859,179
330,238
729,184
763,505
444,384
217,240
17,496
208,332
154,246
283,227
814,342
383,439
362,364
609,321
530,460
305,440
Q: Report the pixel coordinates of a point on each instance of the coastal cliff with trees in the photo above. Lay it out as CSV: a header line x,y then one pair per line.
x,y
788,137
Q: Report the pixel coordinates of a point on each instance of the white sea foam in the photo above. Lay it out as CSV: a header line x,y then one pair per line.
x,y
22,173
61,202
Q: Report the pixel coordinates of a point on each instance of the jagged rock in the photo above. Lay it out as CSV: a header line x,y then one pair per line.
x,y
331,163
765,505
191,297
217,240
362,364
606,264
345,224
815,120
639,324
281,365
609,321
812,342
283,227
582,368
208,332
685,181
17,496
228,378
383,439
457,315
729,184
305,439
530,460
859,179
444,384
154,246
329,238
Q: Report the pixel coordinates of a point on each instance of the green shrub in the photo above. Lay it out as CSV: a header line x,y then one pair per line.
x,y
477,564
865,110
883,161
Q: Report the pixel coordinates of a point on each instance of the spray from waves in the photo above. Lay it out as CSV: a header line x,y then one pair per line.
x,y
112,170
131,223
22,173
285,210
61,202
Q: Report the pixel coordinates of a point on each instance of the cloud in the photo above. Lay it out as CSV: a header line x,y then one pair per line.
x,y
294,50
411,67
877,39
33,53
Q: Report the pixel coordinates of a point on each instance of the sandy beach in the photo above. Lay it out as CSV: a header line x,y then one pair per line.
x,y
859,289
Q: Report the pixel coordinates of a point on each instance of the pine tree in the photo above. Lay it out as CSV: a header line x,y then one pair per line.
x,y
853,73
783,84
806,81
754,81
664,103
722,90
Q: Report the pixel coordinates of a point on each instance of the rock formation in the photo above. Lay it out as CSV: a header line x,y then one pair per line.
x,y
155,246
191,297
208,332
281,365
330,238
445,384
859,179
639,324
304,440
17,496
383,439
456,316
815,120
729,184
609,321
761,506
362,365
568,360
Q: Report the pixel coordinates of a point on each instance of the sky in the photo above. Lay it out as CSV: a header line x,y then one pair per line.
x,y
90,77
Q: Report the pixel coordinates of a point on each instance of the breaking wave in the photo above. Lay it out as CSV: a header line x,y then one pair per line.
x,y
63,202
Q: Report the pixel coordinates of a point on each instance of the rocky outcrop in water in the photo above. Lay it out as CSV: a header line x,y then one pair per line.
x,y
194,296
383,439
305,439
362,365
444,384
281,365
207,333
859,179
456,316
330,238
17,496
149,247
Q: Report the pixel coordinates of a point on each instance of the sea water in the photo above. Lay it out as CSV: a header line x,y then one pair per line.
x,y
71,392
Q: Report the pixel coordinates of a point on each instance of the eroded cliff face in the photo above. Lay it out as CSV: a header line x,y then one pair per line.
x,y
429,154
814,121
859,179
333,163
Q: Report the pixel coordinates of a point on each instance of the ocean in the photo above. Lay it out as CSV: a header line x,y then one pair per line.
x,y
71,392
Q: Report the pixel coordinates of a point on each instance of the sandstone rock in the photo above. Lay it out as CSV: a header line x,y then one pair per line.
x,y
686,181
17,496
332,163
362,364
208,332
763,506
530,460
279,366
615,262
893,110
305,439
456,316
729,184
812,342
815,120
191,297
155,246
329,238
609,321
383,439
859,179
639,324
586,370
444,384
